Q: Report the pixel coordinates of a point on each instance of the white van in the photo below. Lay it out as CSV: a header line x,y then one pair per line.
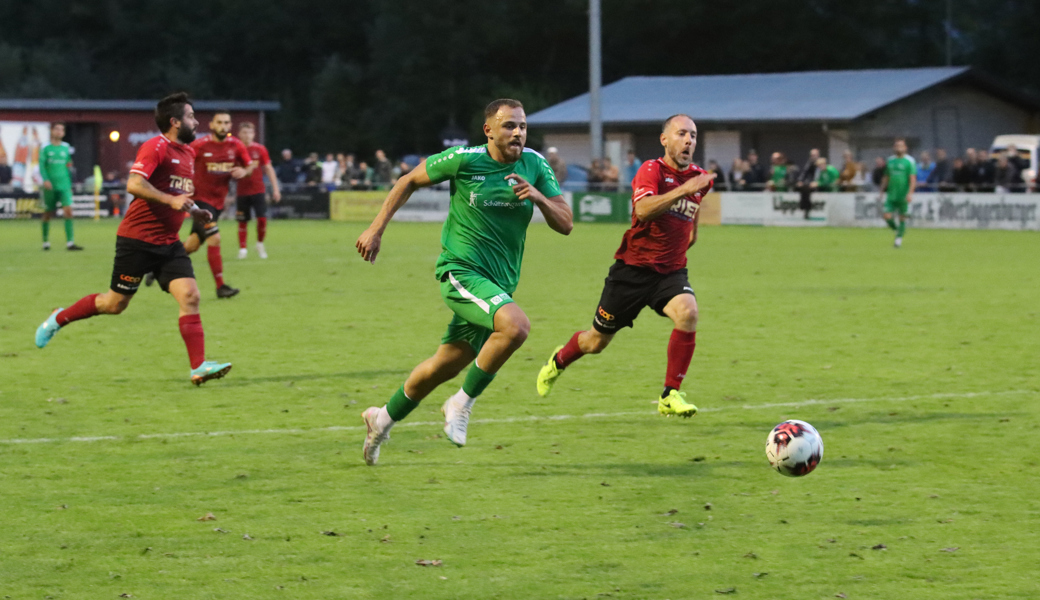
x,y
1028,147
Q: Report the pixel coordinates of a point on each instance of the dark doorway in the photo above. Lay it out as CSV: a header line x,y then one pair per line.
x,y
84,138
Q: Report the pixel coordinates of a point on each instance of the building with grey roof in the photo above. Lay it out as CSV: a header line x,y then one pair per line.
x,y
946,107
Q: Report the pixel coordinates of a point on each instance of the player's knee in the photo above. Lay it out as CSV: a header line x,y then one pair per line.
x,y
190,300
112,304
686,317
213,240
517,329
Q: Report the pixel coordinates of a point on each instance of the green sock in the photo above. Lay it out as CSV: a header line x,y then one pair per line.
x,y
46,230
902,228
477,381
68,230
891,224
400,405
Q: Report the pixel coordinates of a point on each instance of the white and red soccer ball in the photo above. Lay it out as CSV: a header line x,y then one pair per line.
x,y
794,448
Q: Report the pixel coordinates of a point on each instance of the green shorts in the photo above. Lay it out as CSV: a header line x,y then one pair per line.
x,y
896,204
474,300
52,199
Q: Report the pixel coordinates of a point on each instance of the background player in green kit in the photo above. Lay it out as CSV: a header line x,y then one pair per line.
x,y
494,189
55,160
899,182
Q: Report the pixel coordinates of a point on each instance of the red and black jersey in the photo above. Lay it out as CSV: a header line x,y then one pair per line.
x,y
213,163
170,168
253,184
660,244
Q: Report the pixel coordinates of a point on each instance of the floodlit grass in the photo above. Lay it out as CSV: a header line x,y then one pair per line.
x,y
919,367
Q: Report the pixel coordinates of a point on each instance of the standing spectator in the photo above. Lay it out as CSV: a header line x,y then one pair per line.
x,y
827,176
1020,163
737,175
312,170
879,171
350,172
611,175
596,175
1005,175
382,169
985,172
341,162
632,164
925,166
962,176
779,174
329,170
942,174
559,167
804,183
971,162
720,175
289,170
755,176
365,176
849,170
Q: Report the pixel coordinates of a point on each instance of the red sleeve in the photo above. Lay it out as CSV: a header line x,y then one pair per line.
x,y
265,158
646,181
242,153
148,157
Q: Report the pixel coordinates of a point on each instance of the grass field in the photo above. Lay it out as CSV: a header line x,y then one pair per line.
x,y
919,367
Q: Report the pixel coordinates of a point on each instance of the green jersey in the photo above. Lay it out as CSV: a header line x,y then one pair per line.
x,y
487,223
899,171
54,165
827,178
779,178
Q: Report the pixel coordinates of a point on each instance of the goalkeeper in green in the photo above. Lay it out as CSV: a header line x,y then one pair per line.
x,y
897,188
55,160
495,188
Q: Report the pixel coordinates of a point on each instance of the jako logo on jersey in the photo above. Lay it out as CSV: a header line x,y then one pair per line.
x,y
477,178
669,180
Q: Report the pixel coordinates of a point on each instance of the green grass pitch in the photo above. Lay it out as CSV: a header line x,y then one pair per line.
x,y
918,366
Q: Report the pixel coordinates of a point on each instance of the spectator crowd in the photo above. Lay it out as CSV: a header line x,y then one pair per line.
x,y
342,171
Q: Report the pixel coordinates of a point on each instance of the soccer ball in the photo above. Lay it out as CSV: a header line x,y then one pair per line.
x,y
794,448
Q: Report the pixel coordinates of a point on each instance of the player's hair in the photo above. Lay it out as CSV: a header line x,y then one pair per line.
x,y
246,125
221,111
899,139
56,123
170,107
664,126
497,104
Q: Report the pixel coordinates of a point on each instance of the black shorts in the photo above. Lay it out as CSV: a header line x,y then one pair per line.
x,y
134,259
204,230
628,289
257,202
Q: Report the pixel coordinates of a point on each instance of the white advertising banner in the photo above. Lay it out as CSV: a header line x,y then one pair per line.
x,y
773,209
20,144
928,210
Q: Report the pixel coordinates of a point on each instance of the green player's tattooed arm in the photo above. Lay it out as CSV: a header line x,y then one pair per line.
x,y
368,243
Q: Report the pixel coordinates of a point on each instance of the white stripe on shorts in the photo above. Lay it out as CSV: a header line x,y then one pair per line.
x,y
467,295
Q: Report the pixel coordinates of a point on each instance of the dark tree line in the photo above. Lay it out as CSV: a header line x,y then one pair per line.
x,y
356,74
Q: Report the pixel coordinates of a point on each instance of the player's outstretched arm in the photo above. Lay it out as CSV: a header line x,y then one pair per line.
x,y
368,243
651,207
557,212
139,187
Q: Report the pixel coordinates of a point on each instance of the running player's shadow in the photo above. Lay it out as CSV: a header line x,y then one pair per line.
x,y
233,381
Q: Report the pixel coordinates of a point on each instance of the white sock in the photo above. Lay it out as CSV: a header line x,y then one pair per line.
x,y
462,399
383,419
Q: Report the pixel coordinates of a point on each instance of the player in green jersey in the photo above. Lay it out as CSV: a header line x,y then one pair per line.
x,y
897,188
55,161
494,189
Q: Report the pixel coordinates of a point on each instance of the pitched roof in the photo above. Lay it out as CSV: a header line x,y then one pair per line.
x,y
804,96
146,105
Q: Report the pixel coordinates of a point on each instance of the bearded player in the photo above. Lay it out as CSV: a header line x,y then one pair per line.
x,y
219,158
251,193
494,189
147,239
650,266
